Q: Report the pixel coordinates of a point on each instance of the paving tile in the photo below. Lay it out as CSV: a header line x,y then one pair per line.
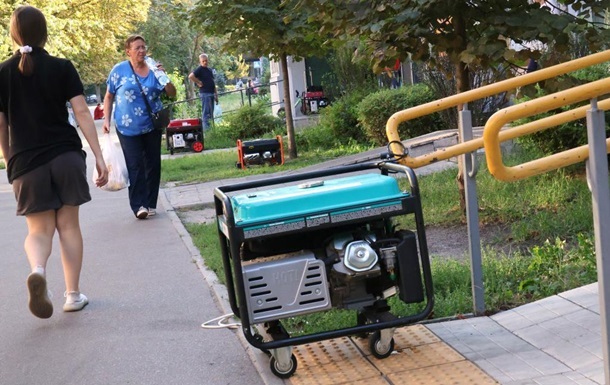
x,y
320,353
564,328
338,372
587,319
594,372
515,367
592,344
455,373
572,355
512,320
556,379
543,363
493,371
535,312
559,305
418,357
537,336
581,379
585,296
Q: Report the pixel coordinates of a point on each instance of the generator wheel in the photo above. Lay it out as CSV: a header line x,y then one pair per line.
x,y
197,146
375,346
283,373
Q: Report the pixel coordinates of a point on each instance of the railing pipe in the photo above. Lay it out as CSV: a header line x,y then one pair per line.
x,y
499,119
479,93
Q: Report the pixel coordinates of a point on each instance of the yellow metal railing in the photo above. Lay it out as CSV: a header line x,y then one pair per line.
x,y
493,136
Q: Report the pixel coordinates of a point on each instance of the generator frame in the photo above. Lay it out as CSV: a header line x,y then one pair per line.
x,y
381,325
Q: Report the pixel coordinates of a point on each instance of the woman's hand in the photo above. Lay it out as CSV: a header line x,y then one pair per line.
x,y
102,172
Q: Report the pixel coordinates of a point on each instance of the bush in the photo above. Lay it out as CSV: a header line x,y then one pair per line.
x,y
375,110
315,137
559,138
251,122
341,117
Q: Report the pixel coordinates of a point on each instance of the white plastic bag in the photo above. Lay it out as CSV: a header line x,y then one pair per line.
x,y
217,111
118,178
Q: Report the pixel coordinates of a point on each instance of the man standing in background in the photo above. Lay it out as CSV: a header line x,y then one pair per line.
x,y
203,77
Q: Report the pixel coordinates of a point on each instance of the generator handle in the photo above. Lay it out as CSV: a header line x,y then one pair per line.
x,y
408,172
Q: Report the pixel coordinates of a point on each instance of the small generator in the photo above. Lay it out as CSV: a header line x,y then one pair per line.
x,y
184,134
320,241
260,152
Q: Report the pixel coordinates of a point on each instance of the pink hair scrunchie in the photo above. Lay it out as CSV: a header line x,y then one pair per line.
x,y
25,49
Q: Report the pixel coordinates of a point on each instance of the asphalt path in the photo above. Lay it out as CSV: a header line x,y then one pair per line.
x,y
148,299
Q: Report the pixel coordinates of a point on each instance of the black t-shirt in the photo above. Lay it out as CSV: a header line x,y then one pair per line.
x,y
35,107
207,78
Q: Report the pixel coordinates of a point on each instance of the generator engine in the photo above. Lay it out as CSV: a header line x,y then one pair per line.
x,y
318,245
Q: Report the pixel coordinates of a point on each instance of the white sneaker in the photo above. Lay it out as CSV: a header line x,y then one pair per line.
x,y
152,212
75,301
39,303
142,213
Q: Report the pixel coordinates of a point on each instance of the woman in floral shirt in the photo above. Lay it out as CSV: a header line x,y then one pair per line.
x,y
141,143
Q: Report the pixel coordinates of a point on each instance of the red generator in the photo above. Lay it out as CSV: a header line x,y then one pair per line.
x,y
184,134
260,152
313,100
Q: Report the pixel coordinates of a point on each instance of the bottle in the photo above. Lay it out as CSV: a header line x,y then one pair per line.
x,y
159,74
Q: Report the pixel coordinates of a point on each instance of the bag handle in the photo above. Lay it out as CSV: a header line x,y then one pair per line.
x,y
152,114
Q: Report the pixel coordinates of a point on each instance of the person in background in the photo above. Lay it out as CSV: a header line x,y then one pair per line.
x,y
203,77
98,113
45,157
140,141
532,65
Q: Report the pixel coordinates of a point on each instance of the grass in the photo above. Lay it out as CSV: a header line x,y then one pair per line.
x,y
218,165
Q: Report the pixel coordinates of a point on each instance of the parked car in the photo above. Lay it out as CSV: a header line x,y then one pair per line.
x,y
91,98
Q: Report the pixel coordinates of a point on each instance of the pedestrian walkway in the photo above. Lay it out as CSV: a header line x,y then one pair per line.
x,y
147,298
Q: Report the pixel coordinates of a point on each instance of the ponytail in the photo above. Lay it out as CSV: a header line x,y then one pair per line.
x,y
26,64
28,29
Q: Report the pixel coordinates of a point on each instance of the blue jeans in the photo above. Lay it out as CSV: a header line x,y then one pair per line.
x,y
207,109
143,159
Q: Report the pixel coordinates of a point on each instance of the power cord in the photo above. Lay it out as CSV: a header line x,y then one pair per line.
x,y
222,322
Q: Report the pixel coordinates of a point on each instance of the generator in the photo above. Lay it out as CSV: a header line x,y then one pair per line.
x,y
300,244
184,134
260,152
313,100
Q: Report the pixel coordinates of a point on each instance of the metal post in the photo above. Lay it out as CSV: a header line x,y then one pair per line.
x,y
472,214
597,172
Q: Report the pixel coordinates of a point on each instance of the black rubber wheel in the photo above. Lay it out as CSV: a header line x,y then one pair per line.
x,y
374,346
283,373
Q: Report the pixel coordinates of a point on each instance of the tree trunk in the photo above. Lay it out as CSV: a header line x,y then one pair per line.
x,y
462,84
292,146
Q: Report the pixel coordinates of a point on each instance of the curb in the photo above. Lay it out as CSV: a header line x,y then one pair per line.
x,y
259,359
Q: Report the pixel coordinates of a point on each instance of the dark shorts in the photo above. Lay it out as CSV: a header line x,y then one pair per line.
x,y
62,181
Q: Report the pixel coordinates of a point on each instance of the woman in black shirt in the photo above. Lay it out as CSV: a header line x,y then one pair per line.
x,y
44,155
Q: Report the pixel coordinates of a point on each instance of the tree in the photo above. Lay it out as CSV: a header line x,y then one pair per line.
x,y
473,32
88,32
261,27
